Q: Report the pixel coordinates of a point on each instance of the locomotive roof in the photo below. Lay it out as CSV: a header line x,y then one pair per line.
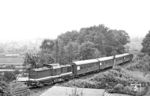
x,y
85,61
41,69
53,67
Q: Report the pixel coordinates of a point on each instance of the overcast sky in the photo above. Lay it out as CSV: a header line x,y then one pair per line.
x,y
30,19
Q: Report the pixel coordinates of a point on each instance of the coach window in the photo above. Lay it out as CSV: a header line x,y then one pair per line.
x,y
78,67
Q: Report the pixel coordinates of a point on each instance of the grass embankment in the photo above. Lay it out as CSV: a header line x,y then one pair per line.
x,y
117,80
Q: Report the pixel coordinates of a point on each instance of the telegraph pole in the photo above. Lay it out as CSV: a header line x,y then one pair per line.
x,y
57,51
114,58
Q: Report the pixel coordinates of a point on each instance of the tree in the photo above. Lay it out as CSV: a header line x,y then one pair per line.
x,y
71,51
116,39
60,53
91,34
45,58
146,44
68,37
89,42
87,50
47,45
31,59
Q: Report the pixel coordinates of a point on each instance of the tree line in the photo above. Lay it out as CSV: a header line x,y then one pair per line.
x,y
87,43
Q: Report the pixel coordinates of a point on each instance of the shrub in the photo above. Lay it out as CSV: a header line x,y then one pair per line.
x,y
128,90
119,87
141,63
9,76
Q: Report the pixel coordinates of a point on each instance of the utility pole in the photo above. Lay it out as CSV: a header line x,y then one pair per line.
x,y
57,51
114,58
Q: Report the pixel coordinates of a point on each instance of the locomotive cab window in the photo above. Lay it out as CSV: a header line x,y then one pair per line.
x,y
68,69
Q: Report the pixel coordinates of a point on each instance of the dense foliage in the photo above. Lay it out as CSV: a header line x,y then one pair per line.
x,y
8,85
115,81
88,43
141,63
146,44
4,89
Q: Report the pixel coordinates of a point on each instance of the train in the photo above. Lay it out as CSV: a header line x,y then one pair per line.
x,y
52,74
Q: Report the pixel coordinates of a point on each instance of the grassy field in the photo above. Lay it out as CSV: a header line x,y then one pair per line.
x,y
11,60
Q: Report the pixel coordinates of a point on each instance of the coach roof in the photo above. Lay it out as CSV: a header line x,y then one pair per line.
x,y
122,55
85,61
105,58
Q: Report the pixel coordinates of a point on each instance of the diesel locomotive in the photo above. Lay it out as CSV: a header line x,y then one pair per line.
x,y
53,74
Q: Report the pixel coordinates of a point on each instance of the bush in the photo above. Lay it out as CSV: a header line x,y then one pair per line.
x,y
115,89
128,90
9,76
141,63
119,87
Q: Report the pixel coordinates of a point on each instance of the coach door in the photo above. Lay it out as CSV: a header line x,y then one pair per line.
x,y
74,69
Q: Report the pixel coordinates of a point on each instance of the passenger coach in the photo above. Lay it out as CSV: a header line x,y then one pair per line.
x,y
85,66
